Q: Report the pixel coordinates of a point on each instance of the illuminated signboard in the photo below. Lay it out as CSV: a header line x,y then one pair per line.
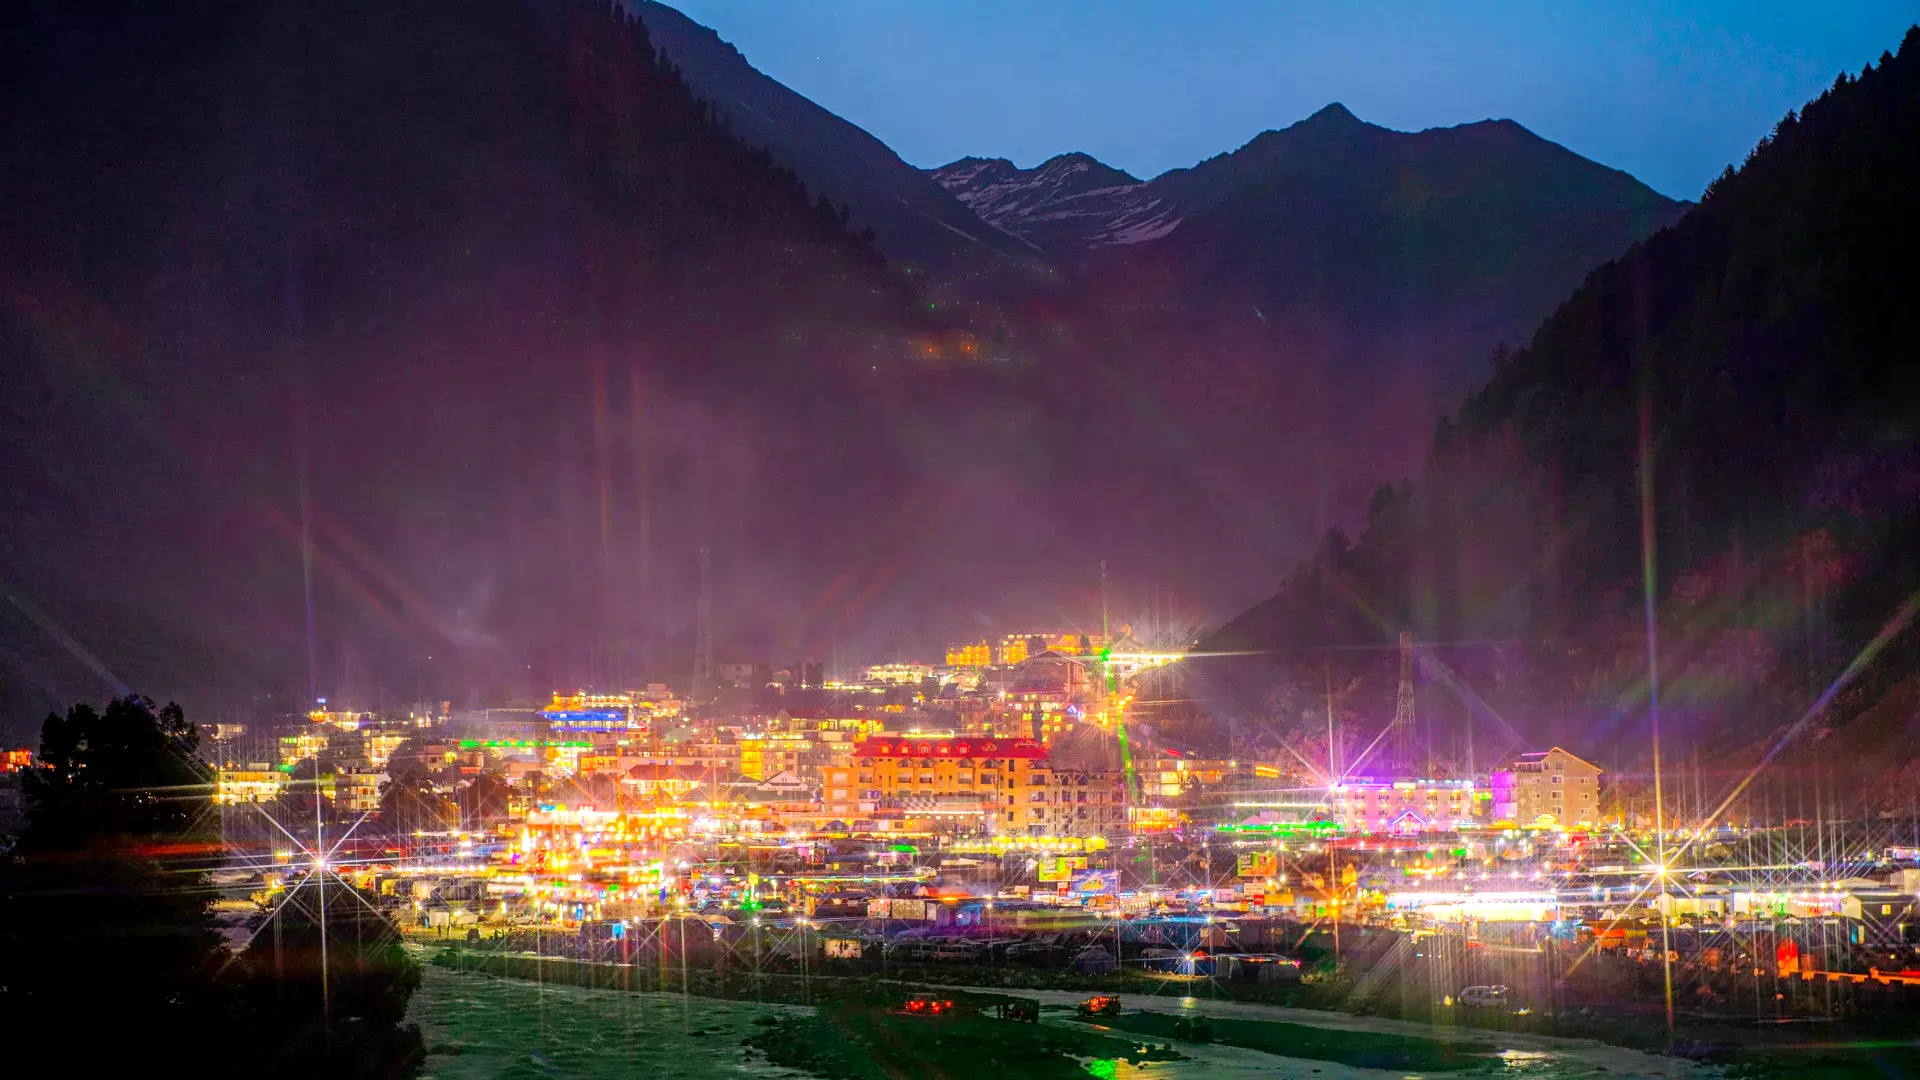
x,y
1061,868
1095,882
587,719
1259,864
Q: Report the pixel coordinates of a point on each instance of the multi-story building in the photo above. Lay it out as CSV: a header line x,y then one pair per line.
x,y
1050,696
357,790
380,745
897,674
710,755
343,719
299,747
1089,792
259,782
1548,787
584,714
1088,802
1406,806
656,782
969,654
587,714
1170,775
1008,782
803,743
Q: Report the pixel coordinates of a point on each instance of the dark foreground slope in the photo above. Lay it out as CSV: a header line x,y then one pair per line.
x,y
480,294
1744,386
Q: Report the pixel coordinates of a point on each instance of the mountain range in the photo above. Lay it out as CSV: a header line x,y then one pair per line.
x,y
915,219
320,362
1251,341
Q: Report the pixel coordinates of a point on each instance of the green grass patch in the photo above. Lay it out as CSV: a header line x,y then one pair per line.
x,y
1856,1061
858,1029
1361,1049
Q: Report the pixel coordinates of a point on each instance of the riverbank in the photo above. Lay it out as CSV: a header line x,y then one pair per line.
x,y
481,1028
826,1042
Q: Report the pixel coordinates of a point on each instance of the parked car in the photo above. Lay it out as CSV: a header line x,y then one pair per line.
x,y
1020,1009
928,1005
1099,1005
1484,996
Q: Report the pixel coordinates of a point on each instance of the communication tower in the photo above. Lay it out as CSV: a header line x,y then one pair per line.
x,y
1405,762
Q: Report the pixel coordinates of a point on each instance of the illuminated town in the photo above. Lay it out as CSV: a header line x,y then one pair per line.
x,y
1005,799
1164,541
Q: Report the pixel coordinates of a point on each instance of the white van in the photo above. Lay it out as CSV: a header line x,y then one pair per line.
x,y
1484,995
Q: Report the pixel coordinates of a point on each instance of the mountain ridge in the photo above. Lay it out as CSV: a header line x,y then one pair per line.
x,y
914,220
1068,218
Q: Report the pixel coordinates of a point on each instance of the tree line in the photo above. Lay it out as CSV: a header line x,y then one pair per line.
x,y
111,955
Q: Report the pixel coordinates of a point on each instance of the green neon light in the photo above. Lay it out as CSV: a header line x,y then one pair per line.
x,y
1310,828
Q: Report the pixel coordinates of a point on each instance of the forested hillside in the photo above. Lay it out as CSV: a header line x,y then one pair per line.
x,y
457,290
1727,416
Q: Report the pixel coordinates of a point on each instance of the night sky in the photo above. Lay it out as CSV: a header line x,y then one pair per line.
x,y
1672,93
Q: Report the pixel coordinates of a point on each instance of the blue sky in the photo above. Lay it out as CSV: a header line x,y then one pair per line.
x,y
1670,92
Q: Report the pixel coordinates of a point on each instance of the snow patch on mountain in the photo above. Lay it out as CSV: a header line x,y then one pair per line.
x,y
1067,202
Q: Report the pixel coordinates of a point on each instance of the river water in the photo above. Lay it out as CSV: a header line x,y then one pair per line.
x,y
481,1026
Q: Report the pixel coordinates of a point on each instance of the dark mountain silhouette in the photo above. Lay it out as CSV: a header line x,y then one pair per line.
x,y
488,302
1286,322
1478,190
1741,386
481,297
1484,223
914,219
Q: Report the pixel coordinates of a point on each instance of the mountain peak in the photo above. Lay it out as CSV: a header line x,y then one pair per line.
x,y
1333,113
1097,173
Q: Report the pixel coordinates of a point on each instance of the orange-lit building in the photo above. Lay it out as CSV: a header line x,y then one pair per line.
x,y
1007,782
970,654
1019,648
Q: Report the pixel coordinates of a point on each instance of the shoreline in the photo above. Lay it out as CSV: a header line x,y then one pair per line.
x,y
617,978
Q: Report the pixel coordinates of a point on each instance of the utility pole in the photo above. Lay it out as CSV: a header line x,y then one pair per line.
x,y
320,875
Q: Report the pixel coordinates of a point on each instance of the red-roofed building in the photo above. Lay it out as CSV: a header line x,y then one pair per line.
x,y
1005,782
